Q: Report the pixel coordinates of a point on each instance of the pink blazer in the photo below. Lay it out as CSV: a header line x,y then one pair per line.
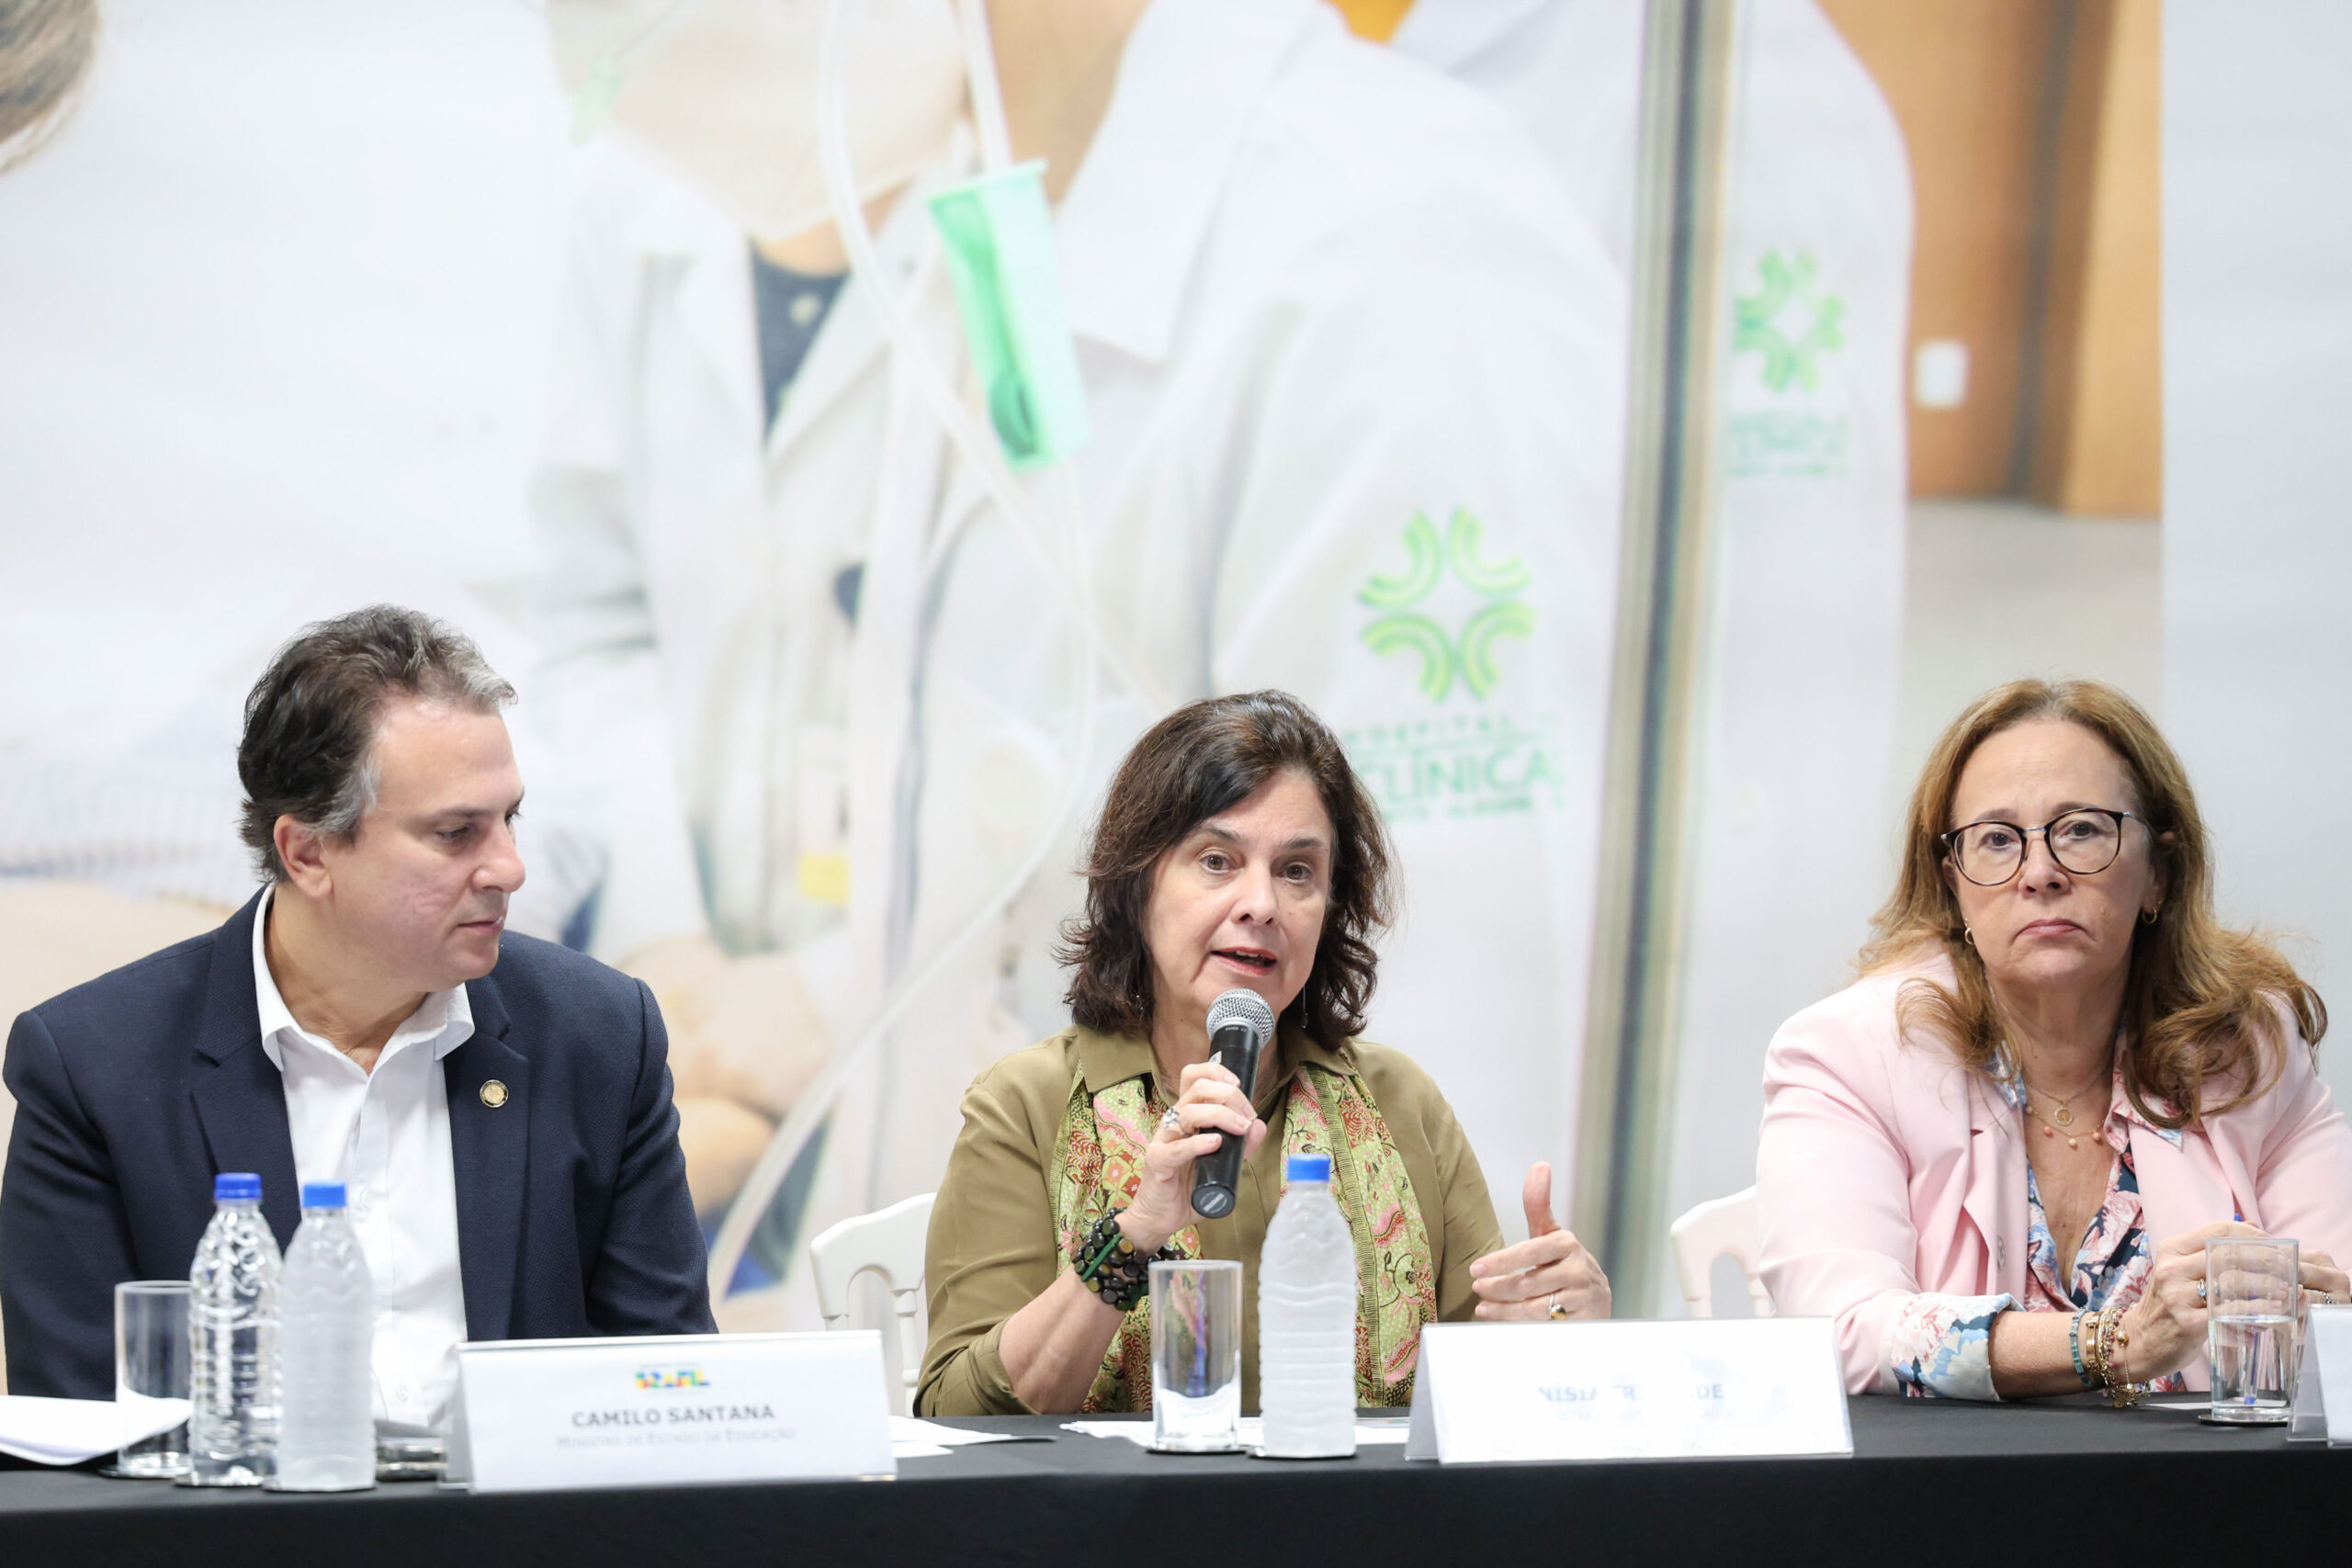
x,y
1885,1169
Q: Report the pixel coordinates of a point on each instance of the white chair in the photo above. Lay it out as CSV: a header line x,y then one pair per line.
x,y
888,1242
1726,1226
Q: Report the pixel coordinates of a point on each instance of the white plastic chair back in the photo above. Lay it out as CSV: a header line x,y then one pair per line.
x,y
888,1242
1722,1226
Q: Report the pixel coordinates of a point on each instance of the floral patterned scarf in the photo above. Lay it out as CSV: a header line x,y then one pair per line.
x,y
1098,1166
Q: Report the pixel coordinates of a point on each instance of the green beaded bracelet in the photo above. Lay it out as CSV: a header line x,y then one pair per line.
x,y
1109,1265
2074,1346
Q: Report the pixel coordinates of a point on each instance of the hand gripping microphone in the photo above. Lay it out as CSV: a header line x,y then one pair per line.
x,y
1239,1025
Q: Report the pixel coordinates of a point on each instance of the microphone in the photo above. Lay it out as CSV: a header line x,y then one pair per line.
x,y
1239,1025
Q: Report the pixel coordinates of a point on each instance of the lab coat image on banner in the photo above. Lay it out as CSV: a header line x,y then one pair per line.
x,y
1794,815
1570,71
1354,369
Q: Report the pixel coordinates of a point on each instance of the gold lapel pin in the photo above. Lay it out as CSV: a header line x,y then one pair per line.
x,y
493,1093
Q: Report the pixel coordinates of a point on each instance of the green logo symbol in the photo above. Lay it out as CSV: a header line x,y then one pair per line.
x,y
1789,320
1406,623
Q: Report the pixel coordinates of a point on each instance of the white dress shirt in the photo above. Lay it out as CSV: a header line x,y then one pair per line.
x,y
385,1134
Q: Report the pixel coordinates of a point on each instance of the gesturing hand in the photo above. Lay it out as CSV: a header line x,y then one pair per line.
x,y
1551,1265
1211,1101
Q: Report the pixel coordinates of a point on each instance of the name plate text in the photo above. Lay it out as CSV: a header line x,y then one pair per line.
x,y
1740,1387
539,1413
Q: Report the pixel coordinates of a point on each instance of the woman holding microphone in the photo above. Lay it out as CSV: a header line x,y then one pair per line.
x,y
1237,849
1995,1160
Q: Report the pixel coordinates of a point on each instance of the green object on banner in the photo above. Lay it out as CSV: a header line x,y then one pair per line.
x,y
999,237
592,106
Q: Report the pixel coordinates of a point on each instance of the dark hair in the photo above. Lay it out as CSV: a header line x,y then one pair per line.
x,y
1204,757
311,719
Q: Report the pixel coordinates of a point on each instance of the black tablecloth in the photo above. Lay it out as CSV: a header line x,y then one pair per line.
x,y
1928,1482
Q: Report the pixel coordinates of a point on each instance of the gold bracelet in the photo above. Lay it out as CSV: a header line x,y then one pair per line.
x,y
2120,1395
2088,1378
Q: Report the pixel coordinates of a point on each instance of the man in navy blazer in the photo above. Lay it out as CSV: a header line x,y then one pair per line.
x,y
499,1107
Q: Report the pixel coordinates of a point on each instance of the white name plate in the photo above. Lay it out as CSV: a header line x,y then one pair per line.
x,y
537,1414
1698,1389
2324,1387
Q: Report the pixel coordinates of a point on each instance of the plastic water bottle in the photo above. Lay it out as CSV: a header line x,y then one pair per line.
x,y
1307,1320
232,1341
326,1339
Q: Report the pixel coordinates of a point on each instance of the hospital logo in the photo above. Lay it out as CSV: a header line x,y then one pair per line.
x,y
1788,320
1447,653
651,1378
1471,764
1791,324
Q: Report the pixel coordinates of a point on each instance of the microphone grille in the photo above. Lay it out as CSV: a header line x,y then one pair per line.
x,y
1241,1004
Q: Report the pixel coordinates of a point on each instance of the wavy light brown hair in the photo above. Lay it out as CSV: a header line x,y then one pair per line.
x,y
2200,1020
1204,757
46,50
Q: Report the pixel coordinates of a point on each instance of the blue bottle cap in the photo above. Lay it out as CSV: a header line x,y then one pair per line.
x,y
323,1195
1308,1167
236,1187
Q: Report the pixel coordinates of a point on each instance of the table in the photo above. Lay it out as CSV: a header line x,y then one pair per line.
x,y
1929,1483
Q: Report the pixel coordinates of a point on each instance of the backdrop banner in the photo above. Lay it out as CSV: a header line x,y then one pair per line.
x,y
539,319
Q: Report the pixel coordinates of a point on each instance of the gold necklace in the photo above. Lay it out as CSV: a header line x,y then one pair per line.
x,y
2073,1139
2065,1120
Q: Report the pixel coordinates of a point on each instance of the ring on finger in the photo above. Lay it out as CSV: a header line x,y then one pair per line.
x,y
1553,1310
1170,1122
2201,1290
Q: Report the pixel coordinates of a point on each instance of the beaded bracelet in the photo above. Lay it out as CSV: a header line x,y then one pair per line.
x,y
1109,1265
2074,1348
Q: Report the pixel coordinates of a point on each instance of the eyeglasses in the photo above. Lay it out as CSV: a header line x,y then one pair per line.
x,y
2085,842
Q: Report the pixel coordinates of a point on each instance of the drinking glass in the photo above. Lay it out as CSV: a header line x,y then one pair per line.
x,y
2252,1287
151,1366
1196,1356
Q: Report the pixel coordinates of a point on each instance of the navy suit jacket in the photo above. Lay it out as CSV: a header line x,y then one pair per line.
x,y
135,1091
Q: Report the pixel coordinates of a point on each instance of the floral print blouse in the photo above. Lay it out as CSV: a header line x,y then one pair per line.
x,y
1943,1343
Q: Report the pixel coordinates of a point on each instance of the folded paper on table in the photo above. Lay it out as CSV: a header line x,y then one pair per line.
x,y
911,1429
68,1431
914,1438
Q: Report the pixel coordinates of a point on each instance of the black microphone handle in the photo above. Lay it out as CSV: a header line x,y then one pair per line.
x,y
1218,1177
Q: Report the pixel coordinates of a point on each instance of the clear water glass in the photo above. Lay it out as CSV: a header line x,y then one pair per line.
x,y
2252,1293
151,1363
1196,1356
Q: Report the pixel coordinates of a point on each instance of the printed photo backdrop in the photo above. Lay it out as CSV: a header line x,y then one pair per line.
x,y
531,316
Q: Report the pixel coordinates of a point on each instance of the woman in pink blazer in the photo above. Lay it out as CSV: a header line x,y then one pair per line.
x,y
1995,1160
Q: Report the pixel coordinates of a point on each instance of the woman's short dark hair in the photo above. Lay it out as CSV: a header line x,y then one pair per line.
x,y
1204,757
308,750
